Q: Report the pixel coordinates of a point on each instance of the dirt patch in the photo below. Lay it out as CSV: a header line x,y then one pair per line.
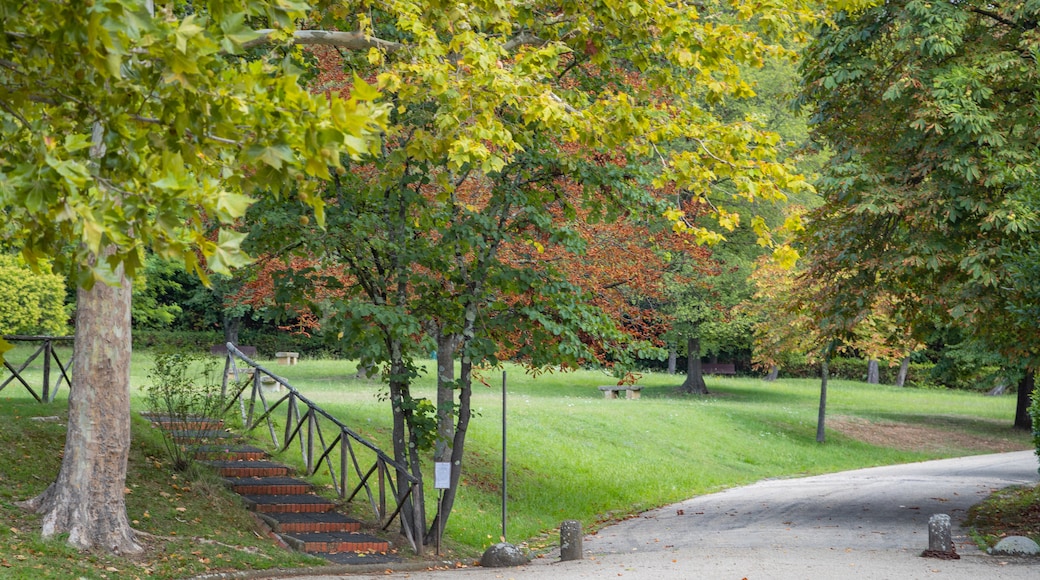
x,y
910,437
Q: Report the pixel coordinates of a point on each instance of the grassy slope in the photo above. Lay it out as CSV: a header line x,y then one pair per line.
x,y
572,455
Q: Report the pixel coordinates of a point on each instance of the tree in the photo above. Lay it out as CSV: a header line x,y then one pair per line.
x,y
497,114
933,195
123,129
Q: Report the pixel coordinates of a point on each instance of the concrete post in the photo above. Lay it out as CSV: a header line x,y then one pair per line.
x,y
570,540
940,538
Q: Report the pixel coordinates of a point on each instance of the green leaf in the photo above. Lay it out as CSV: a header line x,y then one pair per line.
x,y
233,205
227,252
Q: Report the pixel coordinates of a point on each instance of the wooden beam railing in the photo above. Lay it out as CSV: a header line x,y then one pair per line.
x,y
324,441
50,356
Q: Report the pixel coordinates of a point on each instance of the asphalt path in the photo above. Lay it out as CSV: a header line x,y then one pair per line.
x,y
863,524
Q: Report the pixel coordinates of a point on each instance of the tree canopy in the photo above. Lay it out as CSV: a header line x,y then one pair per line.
x,y
933,194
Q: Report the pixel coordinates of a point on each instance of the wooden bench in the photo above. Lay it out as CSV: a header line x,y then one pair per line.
x,y
718,369
611,391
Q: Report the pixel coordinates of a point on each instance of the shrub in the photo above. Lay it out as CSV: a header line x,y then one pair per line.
x,y
184,388
853,369
31,302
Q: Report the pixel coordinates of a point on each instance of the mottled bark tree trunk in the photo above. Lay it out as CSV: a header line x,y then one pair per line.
x,y
694,377
86,501
446,345
1025,388
672,356
873,372
774,373
904,370
232,325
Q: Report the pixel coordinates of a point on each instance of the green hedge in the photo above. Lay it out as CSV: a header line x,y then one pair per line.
x,y
266,343
981,378
853,369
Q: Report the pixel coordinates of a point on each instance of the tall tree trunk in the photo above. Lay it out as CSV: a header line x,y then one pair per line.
x,y
458,447
1025,388
821,418
404,441
904,370
694,378
232,325
87,499
774,373
446,345
873,372
672,356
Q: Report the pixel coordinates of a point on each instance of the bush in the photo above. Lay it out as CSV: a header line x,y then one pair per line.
x,y
184,388
853,369
267,342
31,302
176,340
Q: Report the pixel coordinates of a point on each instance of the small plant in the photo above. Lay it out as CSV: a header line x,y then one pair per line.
x,y
184,397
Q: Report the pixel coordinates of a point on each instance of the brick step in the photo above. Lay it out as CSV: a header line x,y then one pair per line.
x,y
302,503
229,453
333,542
186,423
359,558
280,485
292,523
250,468
196,435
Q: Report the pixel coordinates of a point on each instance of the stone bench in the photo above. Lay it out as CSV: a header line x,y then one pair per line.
x,y
287,358
611,391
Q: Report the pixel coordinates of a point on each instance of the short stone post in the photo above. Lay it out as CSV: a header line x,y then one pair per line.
x,y
940,538
570,541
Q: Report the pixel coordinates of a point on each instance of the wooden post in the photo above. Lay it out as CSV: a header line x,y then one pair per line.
x,y
47,396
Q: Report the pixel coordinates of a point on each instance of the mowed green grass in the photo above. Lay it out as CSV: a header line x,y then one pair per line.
x,y
572,454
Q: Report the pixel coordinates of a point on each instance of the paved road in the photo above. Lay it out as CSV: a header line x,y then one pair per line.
x,y
864,524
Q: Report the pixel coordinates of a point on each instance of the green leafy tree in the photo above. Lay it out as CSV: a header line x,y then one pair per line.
x,y
933,194
497,113
128,125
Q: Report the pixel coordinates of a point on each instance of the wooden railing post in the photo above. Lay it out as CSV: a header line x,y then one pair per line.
x,y
47,395
381,479
311,421
344,457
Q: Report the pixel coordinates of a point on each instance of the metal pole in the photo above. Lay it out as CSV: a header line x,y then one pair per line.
x,y
503,456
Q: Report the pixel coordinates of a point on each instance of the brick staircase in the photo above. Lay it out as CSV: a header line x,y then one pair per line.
x,y
301,518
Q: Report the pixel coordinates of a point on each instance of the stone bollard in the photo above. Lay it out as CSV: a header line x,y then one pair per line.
x,y
570,541
940,538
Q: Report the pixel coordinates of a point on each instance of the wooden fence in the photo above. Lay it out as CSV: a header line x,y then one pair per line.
x,y
53,367
323,441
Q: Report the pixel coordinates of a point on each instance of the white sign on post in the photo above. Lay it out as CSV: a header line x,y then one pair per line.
x,y
441,475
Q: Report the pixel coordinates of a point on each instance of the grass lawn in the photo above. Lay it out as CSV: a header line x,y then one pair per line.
x,y
575,455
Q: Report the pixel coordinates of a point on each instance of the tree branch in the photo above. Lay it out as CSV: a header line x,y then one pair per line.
x,y
348,40
994,16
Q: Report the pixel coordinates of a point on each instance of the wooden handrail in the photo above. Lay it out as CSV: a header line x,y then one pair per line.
x,y
46,394
305,426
